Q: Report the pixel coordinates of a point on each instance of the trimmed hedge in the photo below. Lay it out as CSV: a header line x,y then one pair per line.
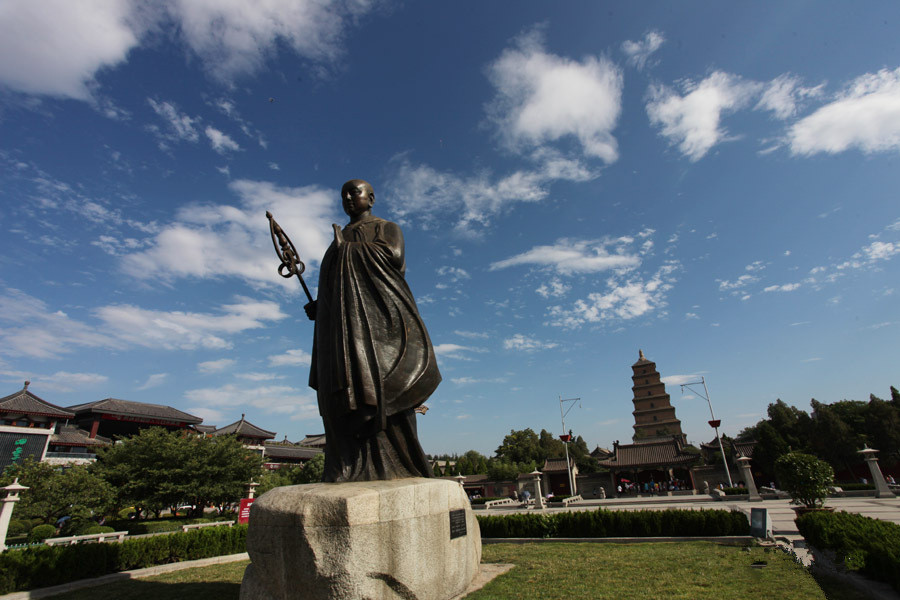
x,y
735,491
162,525
41,533
43,566
863,544
476,501
855,487
606,523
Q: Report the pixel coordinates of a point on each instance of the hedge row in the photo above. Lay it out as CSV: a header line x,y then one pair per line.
x,y
735,491
868,545
606,523
52,565
162,525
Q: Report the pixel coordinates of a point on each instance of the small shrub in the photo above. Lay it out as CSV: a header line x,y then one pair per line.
x,y
41,533
606,523
95,529
870,546
17,528
805,478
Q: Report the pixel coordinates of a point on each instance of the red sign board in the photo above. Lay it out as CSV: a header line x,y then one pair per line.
x,y
244,510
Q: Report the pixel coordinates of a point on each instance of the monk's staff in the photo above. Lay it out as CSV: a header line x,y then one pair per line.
x,y
290,260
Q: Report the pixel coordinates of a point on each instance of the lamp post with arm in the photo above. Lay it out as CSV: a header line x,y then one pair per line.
x,y
714,422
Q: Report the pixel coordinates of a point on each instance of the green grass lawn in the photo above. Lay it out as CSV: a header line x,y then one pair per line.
x,y
694,570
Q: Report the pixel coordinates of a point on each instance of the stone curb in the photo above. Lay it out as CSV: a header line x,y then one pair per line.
x,y
122,576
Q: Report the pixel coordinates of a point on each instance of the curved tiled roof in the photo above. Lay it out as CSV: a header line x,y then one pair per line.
x,y
315,440
290,452
648,455
72,435
24,402
115,406
554,465
245,428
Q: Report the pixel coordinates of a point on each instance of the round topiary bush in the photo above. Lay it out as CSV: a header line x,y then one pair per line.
x,y
97,529
41,533
805,478
17,527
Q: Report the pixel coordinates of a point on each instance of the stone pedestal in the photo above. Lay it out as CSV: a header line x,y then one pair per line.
x,y
881,487
378,540
747,474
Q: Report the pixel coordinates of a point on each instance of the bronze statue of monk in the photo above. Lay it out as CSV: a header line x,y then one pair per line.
x,y
372,361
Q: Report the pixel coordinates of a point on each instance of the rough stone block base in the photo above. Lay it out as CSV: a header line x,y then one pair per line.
x,y
373,540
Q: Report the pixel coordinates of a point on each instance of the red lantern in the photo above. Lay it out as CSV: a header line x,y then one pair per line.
x,y
715,423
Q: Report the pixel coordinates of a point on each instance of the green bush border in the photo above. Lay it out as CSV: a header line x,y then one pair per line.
x,y
44,566
607,523
870,546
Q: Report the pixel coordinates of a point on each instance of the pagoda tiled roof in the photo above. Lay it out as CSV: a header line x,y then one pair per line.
x,y
72,435
205,428
556,465
647,455
744,447
601,452
245,428
314,440
128,408
642,360
290,451
24,402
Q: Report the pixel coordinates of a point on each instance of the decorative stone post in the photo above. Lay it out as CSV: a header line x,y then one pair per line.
x,y
747,475
251,489
538,496
9,500
881,487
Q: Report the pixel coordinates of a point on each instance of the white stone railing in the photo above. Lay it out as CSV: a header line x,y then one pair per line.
x,y
501,501
202,525
117,536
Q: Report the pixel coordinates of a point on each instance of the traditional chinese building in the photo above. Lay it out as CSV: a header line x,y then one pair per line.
x,y
556,476
658,461
114,418
314,440
654,415
73,445
280,454
247,433
27,423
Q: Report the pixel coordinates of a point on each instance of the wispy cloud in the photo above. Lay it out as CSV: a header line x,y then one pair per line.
x,y
523,343
270,399
639,52
153,381
568,256
215,366
456,351
296,357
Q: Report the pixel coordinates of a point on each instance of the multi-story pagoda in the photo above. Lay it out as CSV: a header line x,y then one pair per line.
x,y
654,415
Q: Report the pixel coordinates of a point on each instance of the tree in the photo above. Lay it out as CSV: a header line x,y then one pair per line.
x,y
805,478
157,469
309,472
550,445
833,439
55,492
769,448
520,446
883,427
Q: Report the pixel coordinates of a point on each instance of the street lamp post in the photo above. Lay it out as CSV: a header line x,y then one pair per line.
x,y
567,438
714,422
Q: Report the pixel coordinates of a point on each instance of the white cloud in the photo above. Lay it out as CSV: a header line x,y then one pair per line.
x,y
257,376
569,257
677,380
553,288
454,274
542,98
742,281
281,400
527,344
639,52
215,366
171,330
55,47
422,193
782,95
293,358
153,381
625,298
33,329
474,380
881,250
866,116
472,334
691,316
221,142
214,241
61,381
787,287
180,127
692,121
455,351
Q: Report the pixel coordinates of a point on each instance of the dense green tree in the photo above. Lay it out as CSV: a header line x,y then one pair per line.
x,y
883,428
309,472
157,469
55,492
833,439
520,446
895,397
769,448
550,445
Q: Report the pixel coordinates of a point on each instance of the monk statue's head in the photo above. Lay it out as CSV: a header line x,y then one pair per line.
x,y
357,197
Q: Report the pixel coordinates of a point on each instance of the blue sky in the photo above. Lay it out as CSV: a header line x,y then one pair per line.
x,y
715,185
